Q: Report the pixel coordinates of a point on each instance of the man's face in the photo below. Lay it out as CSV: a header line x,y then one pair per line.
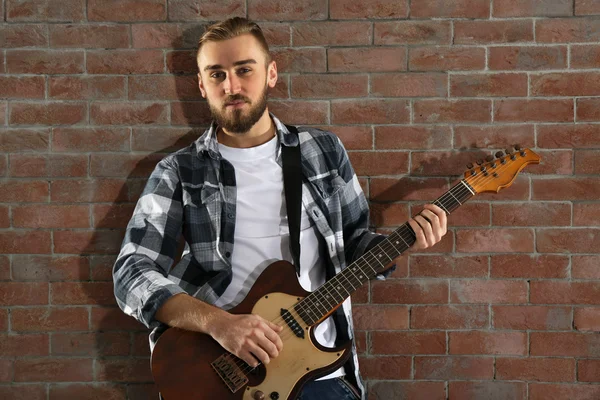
x,y
234,78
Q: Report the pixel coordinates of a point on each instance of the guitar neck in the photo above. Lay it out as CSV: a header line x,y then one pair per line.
x,y
322,302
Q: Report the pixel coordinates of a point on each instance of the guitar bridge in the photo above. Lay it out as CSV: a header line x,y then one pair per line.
x,y
229,372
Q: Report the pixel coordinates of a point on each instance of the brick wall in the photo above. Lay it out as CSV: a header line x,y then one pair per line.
x,y
93,93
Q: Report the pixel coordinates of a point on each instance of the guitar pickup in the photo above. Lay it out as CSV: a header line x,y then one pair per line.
x,y
292,323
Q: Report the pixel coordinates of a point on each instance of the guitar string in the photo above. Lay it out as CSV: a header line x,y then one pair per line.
x,y
287,333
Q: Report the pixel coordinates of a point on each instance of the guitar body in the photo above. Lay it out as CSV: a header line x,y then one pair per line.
x,y
182,361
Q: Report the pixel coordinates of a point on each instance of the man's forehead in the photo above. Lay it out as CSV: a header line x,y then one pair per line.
x,y
227,53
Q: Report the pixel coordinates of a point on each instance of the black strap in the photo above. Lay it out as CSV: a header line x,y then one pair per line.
x,y
292,184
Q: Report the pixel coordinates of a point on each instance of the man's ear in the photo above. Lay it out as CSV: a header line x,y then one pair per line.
x,y
272,74
201,85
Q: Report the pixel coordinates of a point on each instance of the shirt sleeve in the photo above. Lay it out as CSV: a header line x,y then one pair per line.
x,y
358,239
141,285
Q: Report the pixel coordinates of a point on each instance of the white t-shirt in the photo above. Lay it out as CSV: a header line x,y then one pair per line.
x,y
262,232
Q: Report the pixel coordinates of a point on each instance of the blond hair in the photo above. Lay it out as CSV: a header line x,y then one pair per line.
x,y
231,28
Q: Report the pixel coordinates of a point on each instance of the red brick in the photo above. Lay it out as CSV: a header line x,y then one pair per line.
x,y
488,390
368,163
142,391
126,10
414,291
586,214
587,7
50,268
531,214
86,88
24,242
568,240
567,30
48,113
6,371
192,113
588,370
453,368
140,346
92,190
304,60
564,344
527,58
488,85
183,62
446,58
23,294
101,267
573,188
561,292
408,342
407,390
585,56
45,216
192,10
483,342
448,267
409,85
369,111
448,111
164,87
52,165
162,140
534,110
285,10
4,276
24,345
45,11
113,319
23,392
80,293
44,61
412,32
353,137
407,188
586,319
125,62
449,317
97,242
386,367
566,84
301,112
16,140
388,214
334,33
587,109
569,136
91,344
123,370
373,318
347,9
53,370
379,59
112,216
535,369
43,319
412,137
328,86
543,391
85,391
554,162
23,87
125,165
528,266
117,113
487,32
585,267
532,8
456,9
440,163
531,317
23,35
90,139
15,191
166,35
89,36
585,162
276,33
4,223
493,136
488,291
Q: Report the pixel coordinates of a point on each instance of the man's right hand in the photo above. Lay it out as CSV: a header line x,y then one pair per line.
x,y
248,336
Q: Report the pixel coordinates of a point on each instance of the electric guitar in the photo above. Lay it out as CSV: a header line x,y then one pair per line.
x,y
189,365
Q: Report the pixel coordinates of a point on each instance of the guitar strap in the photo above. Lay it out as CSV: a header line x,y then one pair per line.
x,y
292,185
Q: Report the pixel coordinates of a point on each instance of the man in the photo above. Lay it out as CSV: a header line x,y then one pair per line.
x,y
227,188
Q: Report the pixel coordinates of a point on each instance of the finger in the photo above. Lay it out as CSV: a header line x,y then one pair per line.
x,y
434,220
273,326
248,358
427,230
268,346
274,337
259,353
421,241
442,216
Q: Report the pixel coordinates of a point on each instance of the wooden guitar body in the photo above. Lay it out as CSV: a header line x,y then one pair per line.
x,y
182,361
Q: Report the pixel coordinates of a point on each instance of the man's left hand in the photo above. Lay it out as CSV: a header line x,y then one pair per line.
x,y
429,226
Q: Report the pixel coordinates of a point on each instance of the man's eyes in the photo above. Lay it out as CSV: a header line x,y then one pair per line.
x,y
221,75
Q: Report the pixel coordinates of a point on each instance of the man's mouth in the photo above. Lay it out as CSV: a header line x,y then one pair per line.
x,y
235,104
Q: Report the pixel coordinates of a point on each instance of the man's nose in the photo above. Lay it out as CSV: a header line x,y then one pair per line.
x,y
232,85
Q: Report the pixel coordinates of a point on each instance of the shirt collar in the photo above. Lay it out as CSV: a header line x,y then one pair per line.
x,y
208,141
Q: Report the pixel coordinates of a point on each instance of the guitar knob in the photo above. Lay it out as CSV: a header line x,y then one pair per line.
x,y
258,395
499,154
275,396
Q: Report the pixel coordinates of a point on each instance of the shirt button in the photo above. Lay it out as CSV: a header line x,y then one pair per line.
x,y
230,215
228,254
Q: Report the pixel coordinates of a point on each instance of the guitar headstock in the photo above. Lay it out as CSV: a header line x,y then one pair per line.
x,y
492,174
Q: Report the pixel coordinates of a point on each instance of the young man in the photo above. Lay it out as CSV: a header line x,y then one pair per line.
x,y
226,188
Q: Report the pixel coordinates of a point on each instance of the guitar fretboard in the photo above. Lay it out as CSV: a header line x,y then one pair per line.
x,y
314,307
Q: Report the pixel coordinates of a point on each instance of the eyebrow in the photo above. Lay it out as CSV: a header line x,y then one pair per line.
x,y
241,62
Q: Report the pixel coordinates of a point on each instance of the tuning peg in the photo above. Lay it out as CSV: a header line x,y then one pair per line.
x,y
499,154
489,158
479,162
470,165
517,147
508,152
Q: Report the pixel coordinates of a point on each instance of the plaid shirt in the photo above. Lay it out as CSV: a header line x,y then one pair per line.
x,y
192,192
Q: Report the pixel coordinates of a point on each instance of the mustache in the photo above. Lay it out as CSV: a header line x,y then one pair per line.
x,y
237,97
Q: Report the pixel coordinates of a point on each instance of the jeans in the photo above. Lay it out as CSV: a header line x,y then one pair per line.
x,y
329,389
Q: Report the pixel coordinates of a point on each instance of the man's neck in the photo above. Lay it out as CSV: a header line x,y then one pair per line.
x,y
261,132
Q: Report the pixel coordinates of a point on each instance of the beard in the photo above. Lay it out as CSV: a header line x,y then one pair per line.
x,y
237,120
